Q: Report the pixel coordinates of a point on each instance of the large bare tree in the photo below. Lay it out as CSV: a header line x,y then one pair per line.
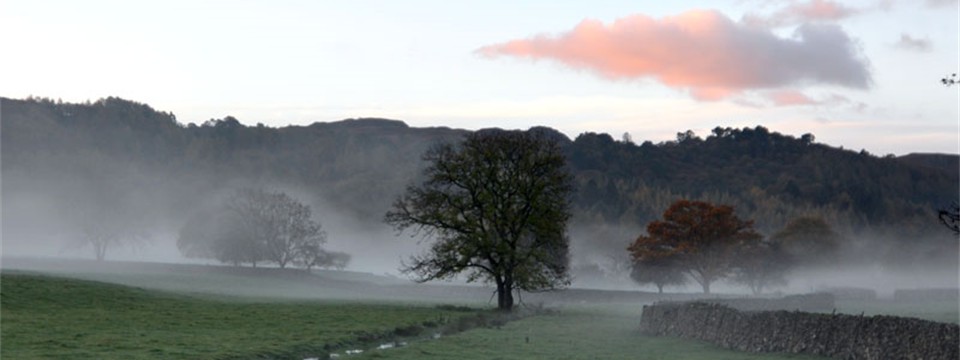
x,y
496,207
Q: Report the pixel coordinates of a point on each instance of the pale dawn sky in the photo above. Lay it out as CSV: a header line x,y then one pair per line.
x,y
858,74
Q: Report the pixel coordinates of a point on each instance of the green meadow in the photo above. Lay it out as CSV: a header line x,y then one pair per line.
x,y
570,334
144,311
57,318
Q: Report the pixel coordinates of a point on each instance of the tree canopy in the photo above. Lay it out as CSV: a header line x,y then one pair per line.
x,y
659,271
762,265
809,240
697,237
496,207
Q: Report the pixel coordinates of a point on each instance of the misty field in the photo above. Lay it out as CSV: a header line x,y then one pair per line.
x,y
93,310
53,317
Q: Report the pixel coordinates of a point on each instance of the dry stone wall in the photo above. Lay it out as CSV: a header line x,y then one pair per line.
x,y
833,335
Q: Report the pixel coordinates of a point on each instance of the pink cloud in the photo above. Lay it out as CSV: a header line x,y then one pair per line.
x,y
790,98
702,52
804,12
820,10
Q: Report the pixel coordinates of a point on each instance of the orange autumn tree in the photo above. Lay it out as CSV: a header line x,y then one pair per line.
x,y
699,238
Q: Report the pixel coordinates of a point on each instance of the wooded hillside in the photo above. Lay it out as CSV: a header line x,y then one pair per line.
x,y
113,151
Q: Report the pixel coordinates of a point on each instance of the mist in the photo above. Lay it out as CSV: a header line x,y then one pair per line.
x,y
39,220
72,170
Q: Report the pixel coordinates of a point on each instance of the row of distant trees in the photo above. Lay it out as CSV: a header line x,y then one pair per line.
x,y
255,226
704,242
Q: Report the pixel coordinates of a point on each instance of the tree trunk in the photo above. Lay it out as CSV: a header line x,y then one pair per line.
x,y
504,296
101,250
703,278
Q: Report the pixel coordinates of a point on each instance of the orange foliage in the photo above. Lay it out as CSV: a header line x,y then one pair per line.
x,y
700,237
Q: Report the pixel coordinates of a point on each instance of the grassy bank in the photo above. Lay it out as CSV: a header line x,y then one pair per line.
x,y
56,318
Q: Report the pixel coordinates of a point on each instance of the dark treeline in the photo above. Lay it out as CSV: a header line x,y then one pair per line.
x,y
123,153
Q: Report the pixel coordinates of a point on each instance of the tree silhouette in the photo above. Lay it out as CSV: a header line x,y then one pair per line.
x,y
809,240
949,80
950,217
255,225
762,265
496,206
659,271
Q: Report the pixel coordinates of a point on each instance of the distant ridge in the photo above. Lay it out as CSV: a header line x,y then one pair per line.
x,y
120,150
948,162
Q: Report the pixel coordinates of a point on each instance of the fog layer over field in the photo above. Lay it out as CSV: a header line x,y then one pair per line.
x,y
38,225
133,177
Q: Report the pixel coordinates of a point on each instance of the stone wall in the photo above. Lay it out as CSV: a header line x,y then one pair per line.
x,y
833,335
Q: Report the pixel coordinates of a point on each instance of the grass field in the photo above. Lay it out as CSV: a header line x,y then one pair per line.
x,y
54,318
569,335
57,318
85,310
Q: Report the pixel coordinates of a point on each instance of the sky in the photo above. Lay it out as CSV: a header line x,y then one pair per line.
x,y
857,74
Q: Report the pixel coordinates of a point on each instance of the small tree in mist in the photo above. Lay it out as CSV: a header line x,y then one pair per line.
x,y
102,232
497,207
108,215
279,226
762,265
697,237
314,256
809,240
657,271
653,263
256,225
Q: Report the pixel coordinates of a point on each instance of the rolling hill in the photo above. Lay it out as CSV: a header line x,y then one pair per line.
x,y
63,159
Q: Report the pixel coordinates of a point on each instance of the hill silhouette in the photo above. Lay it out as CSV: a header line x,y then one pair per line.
x,y
55,155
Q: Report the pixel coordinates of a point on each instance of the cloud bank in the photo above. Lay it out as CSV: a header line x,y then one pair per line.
x,y
702,52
